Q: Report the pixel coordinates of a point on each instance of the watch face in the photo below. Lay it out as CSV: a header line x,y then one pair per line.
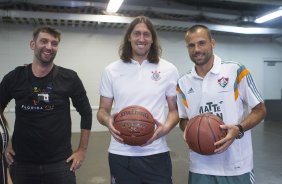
x,y
240,135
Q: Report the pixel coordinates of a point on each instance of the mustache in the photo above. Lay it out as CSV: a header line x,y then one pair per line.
x,y
198,53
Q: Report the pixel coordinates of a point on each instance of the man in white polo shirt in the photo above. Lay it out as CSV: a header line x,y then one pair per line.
x,y
226,89
141,78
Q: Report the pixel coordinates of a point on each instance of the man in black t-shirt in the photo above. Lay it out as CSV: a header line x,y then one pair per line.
x,y
41,149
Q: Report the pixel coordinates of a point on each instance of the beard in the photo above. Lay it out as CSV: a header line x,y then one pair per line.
x,y
45,60
201,58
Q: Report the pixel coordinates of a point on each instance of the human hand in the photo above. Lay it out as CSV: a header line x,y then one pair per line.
x,y
160,131
77,159
9,154
114,132
232,132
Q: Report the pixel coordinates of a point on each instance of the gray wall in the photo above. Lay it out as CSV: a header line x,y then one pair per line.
x,y
89,50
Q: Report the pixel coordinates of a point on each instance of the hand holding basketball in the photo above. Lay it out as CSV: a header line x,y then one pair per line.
x,y
135,124
202,131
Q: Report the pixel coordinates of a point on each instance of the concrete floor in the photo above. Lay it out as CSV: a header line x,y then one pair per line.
x,y
267,138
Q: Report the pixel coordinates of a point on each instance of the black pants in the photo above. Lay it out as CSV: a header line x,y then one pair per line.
x,y
153,169
55,173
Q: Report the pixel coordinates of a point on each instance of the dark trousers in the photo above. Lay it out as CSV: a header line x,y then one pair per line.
x,y
55,173
3,170
153,169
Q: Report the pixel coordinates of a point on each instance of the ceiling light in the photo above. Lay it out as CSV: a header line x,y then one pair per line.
x,y
269,16
114,5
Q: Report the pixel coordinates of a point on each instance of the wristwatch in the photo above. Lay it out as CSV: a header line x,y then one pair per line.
x,y
241,131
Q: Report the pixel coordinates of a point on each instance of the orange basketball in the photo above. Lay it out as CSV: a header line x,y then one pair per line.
x,y
202,131
136,125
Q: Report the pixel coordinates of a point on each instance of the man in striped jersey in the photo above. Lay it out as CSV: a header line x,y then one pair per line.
x,y
226,89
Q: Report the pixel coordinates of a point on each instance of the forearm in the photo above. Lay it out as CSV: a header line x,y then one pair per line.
x,y
172,120
183,123
103,117
172,117
84,139
255,117
104,111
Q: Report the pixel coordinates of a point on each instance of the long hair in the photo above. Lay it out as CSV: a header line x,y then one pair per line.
x,y
125,50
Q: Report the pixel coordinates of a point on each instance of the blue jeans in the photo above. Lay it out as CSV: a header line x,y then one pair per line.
x,y
55,173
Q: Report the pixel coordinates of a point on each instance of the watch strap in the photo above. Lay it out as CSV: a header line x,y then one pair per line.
x,y
241,131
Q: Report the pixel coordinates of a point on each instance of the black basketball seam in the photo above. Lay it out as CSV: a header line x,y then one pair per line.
x,y
213,134
134,107
198,135
142,134
134,119
191,122
217,119
220,123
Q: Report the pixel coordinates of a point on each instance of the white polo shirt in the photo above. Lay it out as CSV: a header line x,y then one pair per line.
x,y
146,85
228,91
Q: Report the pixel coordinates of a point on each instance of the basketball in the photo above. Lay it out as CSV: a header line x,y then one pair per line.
x,y
202,131
136,125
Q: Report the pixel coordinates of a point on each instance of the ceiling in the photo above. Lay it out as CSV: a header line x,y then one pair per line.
x,y
224,16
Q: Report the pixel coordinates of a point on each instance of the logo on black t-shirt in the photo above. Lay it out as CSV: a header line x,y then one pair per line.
x,y
39,99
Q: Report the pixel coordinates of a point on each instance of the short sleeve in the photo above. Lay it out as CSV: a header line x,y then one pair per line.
x,y
106,85
171,90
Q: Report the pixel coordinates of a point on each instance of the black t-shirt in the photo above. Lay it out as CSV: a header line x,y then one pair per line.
x,y
42,131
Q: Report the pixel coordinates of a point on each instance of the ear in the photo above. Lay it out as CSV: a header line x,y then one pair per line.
x,y
32,44
128,38
213,43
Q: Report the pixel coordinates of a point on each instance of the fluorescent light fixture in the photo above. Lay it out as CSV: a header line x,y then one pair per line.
x,y
269,16
114,5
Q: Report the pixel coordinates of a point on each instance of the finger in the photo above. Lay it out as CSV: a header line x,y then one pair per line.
x,y
148,142
12,152
72,168
222,141
157,123
115,131
118,139
225,127
9,158
155,136
224,147
77,165
220,149
69,159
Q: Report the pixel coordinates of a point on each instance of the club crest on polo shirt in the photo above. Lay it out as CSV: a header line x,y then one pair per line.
x,y
223,81
156,75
